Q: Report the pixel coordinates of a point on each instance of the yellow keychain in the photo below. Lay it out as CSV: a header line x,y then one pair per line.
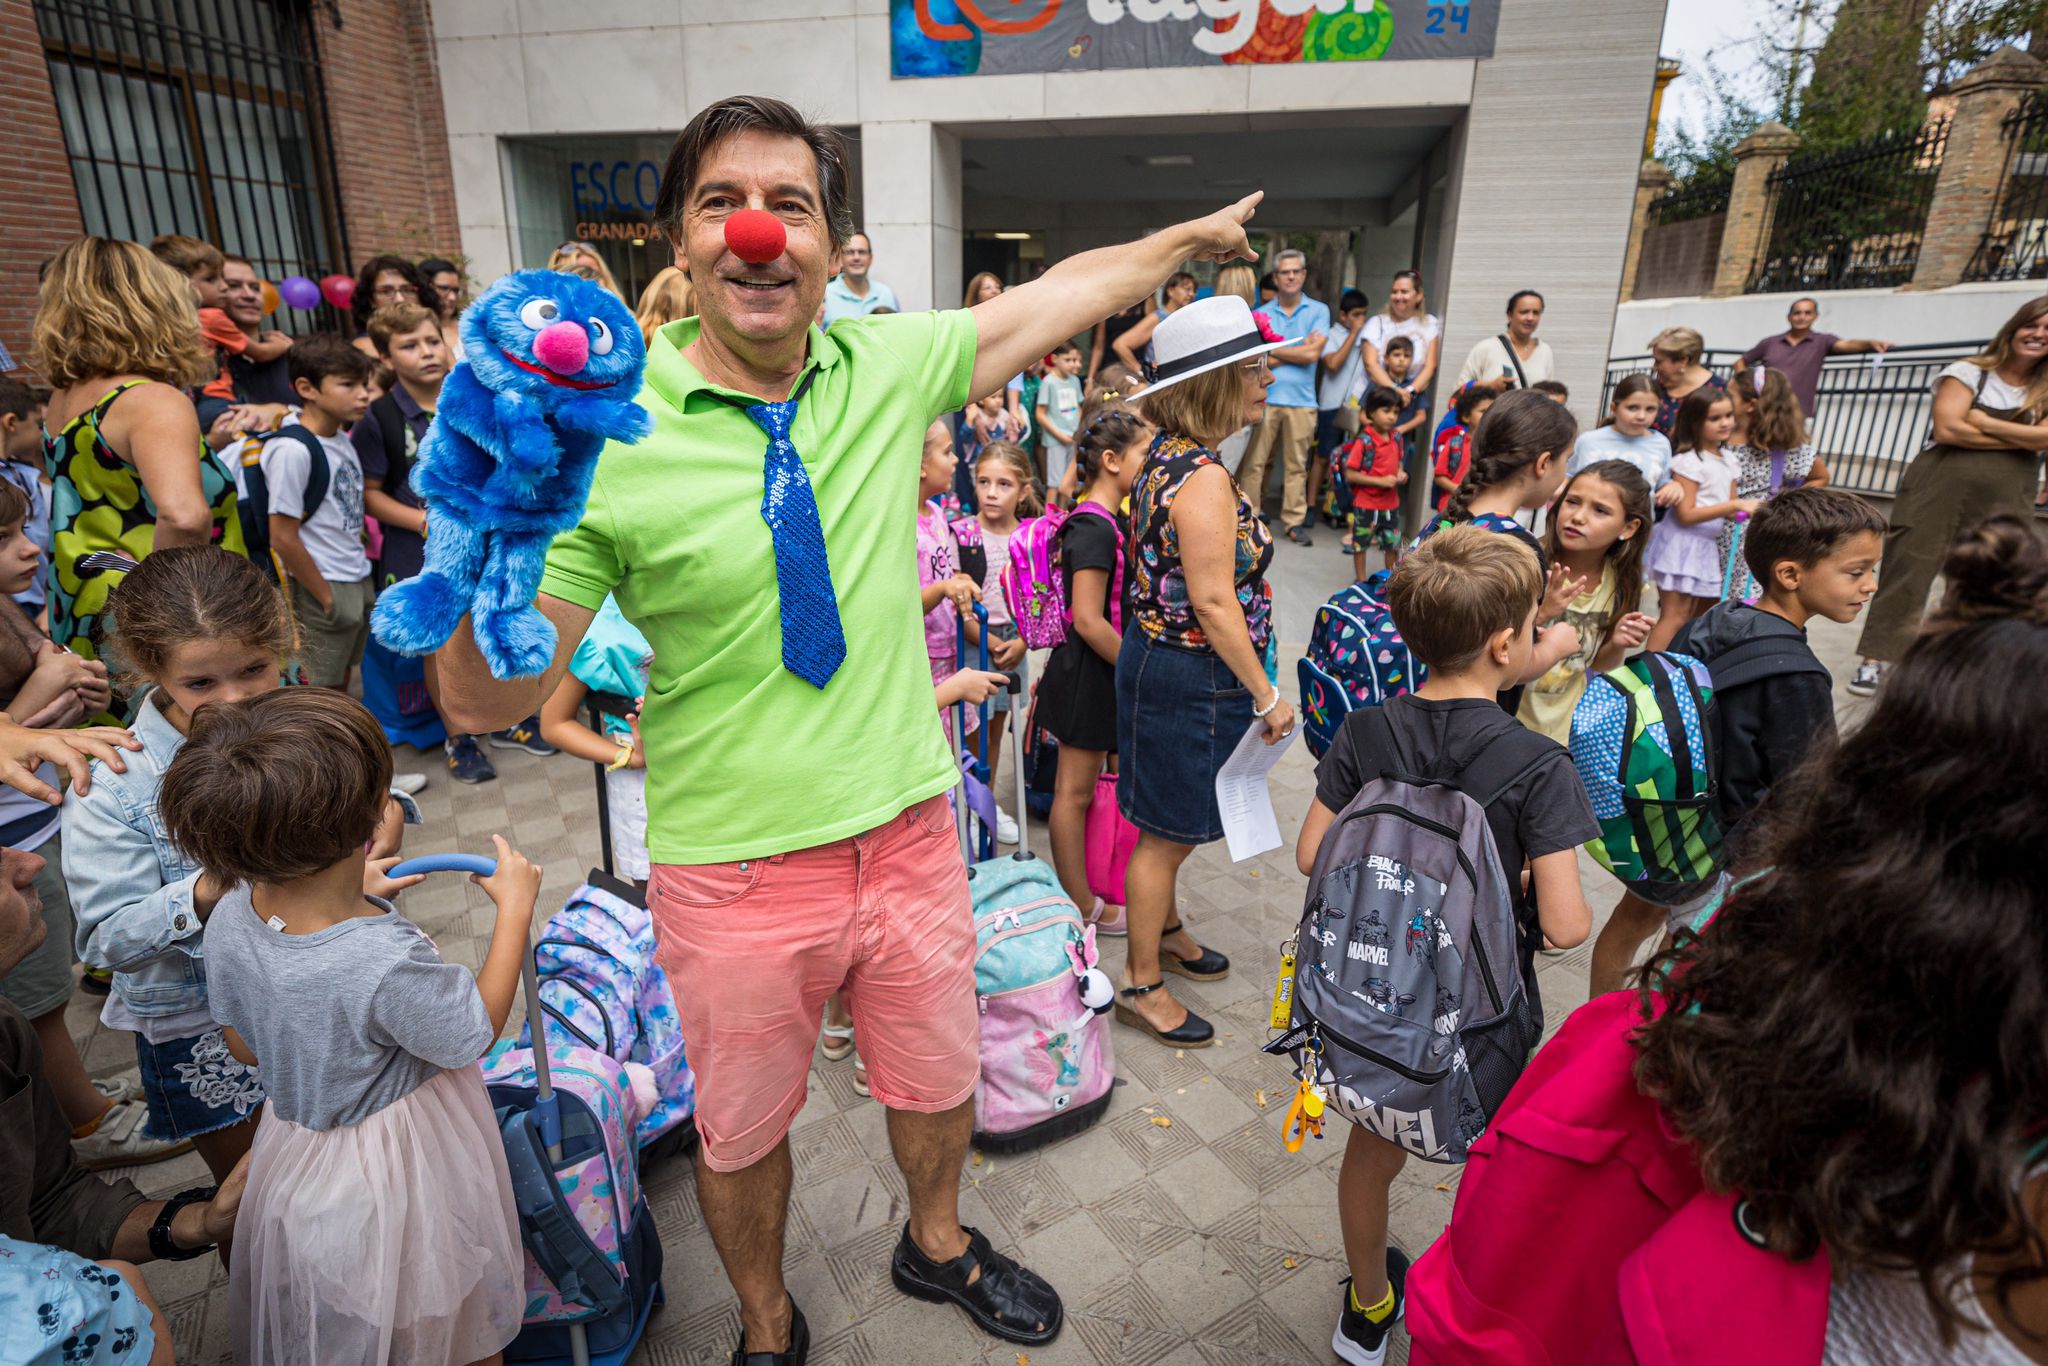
x,y
1305,1116
1283,989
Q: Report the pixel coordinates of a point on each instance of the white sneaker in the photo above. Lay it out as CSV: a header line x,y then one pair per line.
x,y
1006,828
409,783
120,1142
1868,675
118,1089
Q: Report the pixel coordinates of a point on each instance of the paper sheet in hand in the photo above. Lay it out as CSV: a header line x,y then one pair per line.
x,y
1242,796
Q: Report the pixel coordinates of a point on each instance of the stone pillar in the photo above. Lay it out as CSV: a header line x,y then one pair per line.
x,y
910,183
1748,233
1973,164
1651,183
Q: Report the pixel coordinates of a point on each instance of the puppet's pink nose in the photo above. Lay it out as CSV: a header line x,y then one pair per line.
x,y
563,347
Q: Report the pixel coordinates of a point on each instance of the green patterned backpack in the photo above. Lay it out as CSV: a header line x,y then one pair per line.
x,y
1652,782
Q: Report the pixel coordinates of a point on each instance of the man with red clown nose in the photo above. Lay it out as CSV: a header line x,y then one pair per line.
x,y
802,842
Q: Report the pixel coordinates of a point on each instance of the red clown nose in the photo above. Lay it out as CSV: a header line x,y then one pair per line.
x,y
755,236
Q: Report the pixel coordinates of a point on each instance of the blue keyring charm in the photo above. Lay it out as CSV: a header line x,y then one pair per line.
x,y
444,863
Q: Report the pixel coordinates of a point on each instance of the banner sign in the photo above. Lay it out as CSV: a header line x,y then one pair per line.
x,y
1004,37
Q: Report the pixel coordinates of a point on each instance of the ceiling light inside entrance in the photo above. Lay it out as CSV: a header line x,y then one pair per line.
x,y
1011,236
1170,159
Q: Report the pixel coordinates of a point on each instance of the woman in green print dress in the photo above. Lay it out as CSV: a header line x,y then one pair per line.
x,y
117,336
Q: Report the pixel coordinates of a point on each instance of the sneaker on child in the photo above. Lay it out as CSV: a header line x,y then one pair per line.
x,y
1361,1336
466,760
1868,675
118,1141
525,735
409,783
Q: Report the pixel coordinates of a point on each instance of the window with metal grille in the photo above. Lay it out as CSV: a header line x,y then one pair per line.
x,y
203,117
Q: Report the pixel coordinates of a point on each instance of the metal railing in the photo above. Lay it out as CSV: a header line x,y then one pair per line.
x,y
2015,247
1853,218
1700,199
203,117
1869,419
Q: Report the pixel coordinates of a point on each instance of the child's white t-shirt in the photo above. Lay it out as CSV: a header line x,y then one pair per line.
x,y
1649,453
1060,396
333,535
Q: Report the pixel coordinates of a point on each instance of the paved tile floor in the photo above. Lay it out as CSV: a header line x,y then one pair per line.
x,y
1200,1240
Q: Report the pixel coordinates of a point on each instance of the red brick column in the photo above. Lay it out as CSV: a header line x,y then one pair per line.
x,y
390,135
38,202
1748,233
1973,164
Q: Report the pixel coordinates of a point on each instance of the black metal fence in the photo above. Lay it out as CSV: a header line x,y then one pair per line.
x,y
2016,245
203,117
1699,199
1871,413
1853,218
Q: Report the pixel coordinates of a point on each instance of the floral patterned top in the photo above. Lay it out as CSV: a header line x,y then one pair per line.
x,y
1158,589
1667,407
99,502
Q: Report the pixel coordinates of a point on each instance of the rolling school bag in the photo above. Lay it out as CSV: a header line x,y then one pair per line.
x,y
1046,1058
1356,658
566,1115
1408,1004
601,989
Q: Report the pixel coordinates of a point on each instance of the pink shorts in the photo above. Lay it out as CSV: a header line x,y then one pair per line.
x,y
753,949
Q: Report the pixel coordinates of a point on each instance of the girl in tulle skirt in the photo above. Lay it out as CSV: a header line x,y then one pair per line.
x,y
378,1226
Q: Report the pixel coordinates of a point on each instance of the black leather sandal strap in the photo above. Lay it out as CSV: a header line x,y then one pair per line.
x,y
1142,991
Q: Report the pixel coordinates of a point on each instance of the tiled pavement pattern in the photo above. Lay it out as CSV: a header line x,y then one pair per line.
x,y
1195,1242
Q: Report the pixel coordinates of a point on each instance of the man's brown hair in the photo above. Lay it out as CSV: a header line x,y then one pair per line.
x,y
1458,589
395,320
749,114
187,255
277,787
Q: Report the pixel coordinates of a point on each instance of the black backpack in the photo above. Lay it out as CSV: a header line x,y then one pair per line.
x,y
253,504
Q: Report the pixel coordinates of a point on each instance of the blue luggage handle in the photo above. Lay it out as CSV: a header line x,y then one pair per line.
x,y
445,863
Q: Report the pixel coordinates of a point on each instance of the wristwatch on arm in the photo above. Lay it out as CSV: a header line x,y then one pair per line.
x,y
161,1245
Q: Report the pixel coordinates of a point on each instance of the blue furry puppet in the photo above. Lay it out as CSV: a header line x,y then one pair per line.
x,y
551,366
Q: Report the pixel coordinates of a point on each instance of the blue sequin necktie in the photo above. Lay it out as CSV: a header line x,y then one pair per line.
x,y
813,642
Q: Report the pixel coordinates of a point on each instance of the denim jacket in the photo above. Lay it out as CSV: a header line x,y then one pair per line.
x,y
131,888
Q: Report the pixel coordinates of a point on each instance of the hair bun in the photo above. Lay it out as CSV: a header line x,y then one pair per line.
x,y
1998,569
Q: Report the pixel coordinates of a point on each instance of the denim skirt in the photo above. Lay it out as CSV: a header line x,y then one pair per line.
x,y
195,1086
1179,713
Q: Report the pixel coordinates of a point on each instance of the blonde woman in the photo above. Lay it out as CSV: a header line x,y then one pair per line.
x,y
667,297
1675,362
580,258
117,337
1190,676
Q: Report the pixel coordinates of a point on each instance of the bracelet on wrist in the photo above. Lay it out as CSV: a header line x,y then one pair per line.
x,y
1261,713
623,758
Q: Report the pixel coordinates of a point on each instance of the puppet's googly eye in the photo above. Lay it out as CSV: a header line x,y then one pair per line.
x,y
600,338
538,313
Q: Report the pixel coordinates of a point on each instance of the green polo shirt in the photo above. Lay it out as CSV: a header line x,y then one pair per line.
x,y
744,759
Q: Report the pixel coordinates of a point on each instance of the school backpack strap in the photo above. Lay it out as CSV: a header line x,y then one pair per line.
x,y
1764,657
391,429
559,1245
319,473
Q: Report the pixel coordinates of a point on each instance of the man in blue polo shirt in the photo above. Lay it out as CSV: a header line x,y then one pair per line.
x,y
1290,421
850,293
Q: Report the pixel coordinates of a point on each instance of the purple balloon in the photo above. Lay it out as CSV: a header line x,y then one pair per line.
x,y
298,292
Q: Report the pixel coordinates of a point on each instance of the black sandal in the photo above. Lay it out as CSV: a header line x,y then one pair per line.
x,y
1005,1299
1193,1032
799,1351
1210,967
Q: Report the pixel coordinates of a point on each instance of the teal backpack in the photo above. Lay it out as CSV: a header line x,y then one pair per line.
x,y
1643,740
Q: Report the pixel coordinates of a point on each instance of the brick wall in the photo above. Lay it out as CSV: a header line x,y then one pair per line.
x,y
390,136
38,206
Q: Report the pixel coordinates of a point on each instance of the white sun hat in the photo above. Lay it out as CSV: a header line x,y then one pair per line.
x,y
1205,334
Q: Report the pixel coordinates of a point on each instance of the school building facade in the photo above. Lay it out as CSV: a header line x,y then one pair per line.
x,y
1493,146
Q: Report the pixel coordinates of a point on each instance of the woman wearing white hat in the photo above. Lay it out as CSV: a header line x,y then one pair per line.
x,y
1189,676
